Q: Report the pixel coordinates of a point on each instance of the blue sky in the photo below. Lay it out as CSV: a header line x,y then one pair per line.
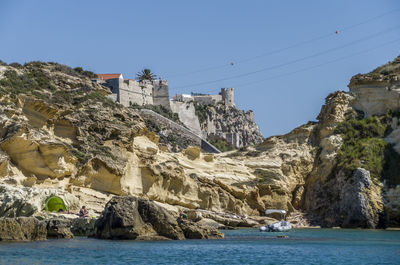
x,y
178,40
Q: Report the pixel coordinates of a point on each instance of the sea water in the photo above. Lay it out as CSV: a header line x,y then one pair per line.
x,y
244,246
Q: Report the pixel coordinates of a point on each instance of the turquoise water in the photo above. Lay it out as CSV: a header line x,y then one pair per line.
x,y
246,246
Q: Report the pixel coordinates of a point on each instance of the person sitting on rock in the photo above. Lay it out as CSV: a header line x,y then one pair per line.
x,y
182,218
83,212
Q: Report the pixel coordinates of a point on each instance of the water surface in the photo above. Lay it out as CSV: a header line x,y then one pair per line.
x,y
245,246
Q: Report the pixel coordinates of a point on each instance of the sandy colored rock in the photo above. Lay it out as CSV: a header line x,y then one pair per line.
x,y
22,229
192,152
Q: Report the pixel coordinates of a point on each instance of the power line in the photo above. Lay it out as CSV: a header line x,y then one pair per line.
x,y
324,36
321,64
292,61
314,66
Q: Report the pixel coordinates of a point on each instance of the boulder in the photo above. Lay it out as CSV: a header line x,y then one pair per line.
x,y
195,231
22,229
192,152
210,223
129,217
354,205
83,226
59,228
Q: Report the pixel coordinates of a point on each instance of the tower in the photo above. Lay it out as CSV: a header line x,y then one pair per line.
x,y
161,93
227,96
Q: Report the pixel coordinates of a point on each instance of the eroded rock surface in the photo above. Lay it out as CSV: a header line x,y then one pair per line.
x,y
72,142
22,229
135,218
59,228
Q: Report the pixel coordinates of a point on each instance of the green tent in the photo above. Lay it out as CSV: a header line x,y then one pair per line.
x,y
54,204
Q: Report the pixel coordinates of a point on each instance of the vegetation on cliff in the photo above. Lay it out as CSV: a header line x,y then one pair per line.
x,y
220,143
163,111
364,146
386,73
78,101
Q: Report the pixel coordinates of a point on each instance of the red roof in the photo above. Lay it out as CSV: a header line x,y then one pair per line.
x,y
108,76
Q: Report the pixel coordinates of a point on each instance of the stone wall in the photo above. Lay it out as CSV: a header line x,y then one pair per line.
x,y
161,93
208,99
180,130
226,96
130,91
187,115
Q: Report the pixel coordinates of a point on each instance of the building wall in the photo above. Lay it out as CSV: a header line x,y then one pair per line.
x,y
187,115
161,93
130,91
133,92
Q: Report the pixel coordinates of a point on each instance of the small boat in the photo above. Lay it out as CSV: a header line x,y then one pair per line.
x,y
281,226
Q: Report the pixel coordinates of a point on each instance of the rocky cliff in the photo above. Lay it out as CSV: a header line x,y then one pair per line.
x,y
60,135
236,126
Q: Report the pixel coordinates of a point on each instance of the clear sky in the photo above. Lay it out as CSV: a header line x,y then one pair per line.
x,y
287,56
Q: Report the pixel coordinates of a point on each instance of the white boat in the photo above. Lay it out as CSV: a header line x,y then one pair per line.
x,y
281,226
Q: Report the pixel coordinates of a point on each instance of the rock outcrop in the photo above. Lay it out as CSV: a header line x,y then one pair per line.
x,y
140,219
83,226
22,229
65,138
236,126
379,90
27,201
59,228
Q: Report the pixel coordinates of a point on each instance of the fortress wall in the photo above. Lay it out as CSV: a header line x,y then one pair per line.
x,y
180,130
161,93
133,92
208,99
187,115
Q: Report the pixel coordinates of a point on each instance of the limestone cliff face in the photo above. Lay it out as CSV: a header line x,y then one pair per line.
x,y
336,196
379,90
62,136
59,135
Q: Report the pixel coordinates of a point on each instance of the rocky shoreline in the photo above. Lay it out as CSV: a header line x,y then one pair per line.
x,y
126,217
73,143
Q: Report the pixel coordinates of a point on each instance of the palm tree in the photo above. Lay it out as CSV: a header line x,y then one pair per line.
x,y
145,74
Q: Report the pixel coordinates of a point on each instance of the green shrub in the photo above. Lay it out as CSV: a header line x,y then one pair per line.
x,y
364,146
13,83
64,69
220,143
16,65
163,111
86,73
201,112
